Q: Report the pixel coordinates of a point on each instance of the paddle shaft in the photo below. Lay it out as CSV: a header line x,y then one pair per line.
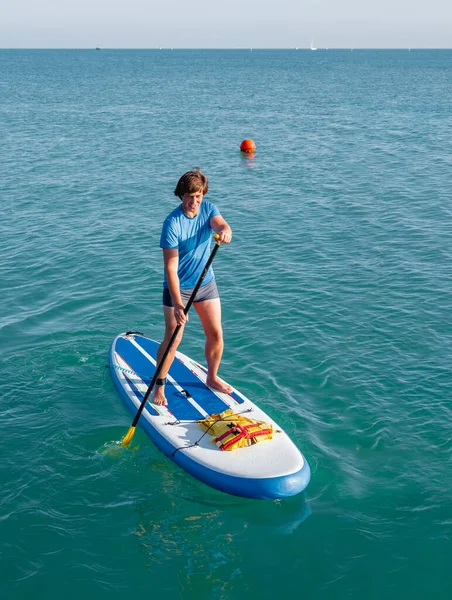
x,y
173,337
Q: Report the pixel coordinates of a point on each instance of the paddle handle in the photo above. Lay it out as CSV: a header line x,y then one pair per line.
x,y
176,331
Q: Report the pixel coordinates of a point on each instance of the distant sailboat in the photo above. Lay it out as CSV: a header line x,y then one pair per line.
x,y
312,46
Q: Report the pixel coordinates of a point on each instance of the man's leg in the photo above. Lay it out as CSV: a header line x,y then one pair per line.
x,y
209,312
158,393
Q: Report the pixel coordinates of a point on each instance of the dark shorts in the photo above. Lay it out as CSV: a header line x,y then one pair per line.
x,y
205,292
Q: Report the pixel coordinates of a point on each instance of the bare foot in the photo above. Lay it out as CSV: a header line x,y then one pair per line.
x,y
158,396
217,384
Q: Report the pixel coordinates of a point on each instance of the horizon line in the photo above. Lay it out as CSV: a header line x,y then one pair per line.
x,y
247,48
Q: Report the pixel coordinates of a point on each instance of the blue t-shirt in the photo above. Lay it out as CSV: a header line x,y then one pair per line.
x,y
192,237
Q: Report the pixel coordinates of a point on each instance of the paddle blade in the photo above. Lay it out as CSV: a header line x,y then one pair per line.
x,y
128,437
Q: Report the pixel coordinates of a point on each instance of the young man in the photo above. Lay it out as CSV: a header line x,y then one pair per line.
x,y
186,239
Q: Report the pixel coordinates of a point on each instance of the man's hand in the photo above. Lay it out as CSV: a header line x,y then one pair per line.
x,y
222,229
224,237
179,314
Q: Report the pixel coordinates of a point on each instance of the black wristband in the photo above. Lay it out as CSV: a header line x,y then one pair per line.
x,y
160,381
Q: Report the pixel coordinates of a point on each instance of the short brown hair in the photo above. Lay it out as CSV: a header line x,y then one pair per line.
x,y
192,182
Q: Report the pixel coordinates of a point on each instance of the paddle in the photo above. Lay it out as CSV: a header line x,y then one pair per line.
x,y
128,437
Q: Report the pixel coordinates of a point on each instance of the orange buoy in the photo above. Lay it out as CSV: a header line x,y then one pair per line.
x,y
248,146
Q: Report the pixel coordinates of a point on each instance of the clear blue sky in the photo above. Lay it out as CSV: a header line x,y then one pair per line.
x,y
225,24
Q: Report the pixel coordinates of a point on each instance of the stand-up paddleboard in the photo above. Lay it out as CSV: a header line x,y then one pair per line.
x,y
270,469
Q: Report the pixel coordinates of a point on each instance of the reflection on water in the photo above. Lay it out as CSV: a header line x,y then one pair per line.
x,y
248,159
207,543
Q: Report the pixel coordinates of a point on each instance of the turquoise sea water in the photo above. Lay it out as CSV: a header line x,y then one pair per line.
x,y
336,297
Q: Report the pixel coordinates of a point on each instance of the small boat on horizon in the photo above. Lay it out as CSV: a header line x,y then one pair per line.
x,y
312,45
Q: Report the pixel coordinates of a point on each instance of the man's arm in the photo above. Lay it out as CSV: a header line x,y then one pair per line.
x,y
220,226
171,263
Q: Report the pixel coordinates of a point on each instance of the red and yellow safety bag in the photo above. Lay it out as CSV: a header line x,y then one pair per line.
x,y
231,431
